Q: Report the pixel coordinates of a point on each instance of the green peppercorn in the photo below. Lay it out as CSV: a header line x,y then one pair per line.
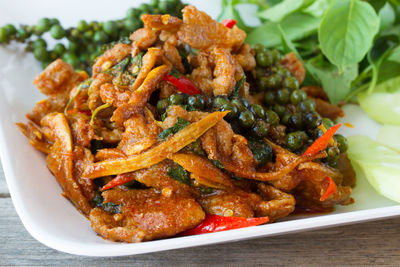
x,y
260,128
82,26
273,81
41,53
284,72
245,102
23,33
54,21
282,96
328,123
43,25
176,99
280,110
132,24
196,102
333,154
185,98
88,35
246,119
276,56
132,13
312,119
343,145
70,58
260,73
295,121
272,118
258,47
285,118
294,141
163,7
262,84
228,107
269,98
208,101
162,105
59,49
39,43
291,83
258,111
264,59
154,3
219,101
307,105
100,37
73,46
317,133
11,30
144,8
57,32
296,97
4,37
110,27
239,104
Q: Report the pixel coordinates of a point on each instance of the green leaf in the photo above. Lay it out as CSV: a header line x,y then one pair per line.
x,y
179,125
277,12
296,27
383,105
287,44
229,12
178,173
395,55
335,83
387,16
346,32
317,8
380,165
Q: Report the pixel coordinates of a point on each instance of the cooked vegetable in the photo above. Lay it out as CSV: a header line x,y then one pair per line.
x,y
389,135
179,125
331,189
215,223
322,142
379,164
183,85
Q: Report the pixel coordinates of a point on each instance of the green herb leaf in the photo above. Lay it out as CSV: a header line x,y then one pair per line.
x,y
395,55
178,173
387,16
335,83
229,12
179,125
347,31
217,164
317,8
279,11
296,27
239,84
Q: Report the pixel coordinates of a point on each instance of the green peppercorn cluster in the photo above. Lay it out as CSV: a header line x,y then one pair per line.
x,y
87,40
295,110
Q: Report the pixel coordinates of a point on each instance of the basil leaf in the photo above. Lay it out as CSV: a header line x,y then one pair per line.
x,y
346,32
178,173
317,8
279,11
179,125
296,26
387,16
239,84
335,83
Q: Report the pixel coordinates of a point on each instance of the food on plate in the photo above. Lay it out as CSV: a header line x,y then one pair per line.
x,y
186,129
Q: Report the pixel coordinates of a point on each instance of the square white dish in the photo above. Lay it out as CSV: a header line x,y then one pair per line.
x,y
51,219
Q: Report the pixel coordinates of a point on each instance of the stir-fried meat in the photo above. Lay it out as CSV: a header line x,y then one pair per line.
x,y
224,71
161,22
140,134
82,132
327,110
295,66
345,168
111,57
94,96
202,74
279,204
172,54
56,81
148,62
82,157
245,58
114,95
143,39
60,159
200,31
35,136
145,215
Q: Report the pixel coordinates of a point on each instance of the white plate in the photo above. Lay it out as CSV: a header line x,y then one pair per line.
x,y
51,219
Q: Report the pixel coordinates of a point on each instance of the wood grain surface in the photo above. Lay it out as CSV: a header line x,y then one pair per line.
x,y
367,244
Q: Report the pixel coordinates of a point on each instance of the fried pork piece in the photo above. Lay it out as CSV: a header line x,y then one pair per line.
x,y
113,56
60,159
224,71
200,31
295,66
56,82
202,74
146,215
35,136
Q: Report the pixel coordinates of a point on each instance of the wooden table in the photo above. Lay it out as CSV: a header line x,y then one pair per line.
x,y
372,243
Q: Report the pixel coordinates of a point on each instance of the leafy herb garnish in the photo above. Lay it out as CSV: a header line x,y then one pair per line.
x,y
239,84
179,125
178,173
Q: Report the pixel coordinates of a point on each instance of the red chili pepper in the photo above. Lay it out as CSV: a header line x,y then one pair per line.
x,y
183,85
322,142
229,23
120,179
330,190
216,223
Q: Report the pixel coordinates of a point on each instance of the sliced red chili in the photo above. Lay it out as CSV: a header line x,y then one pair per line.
x,y
322,142
119,180
183,85
216,223
329,190
229,23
